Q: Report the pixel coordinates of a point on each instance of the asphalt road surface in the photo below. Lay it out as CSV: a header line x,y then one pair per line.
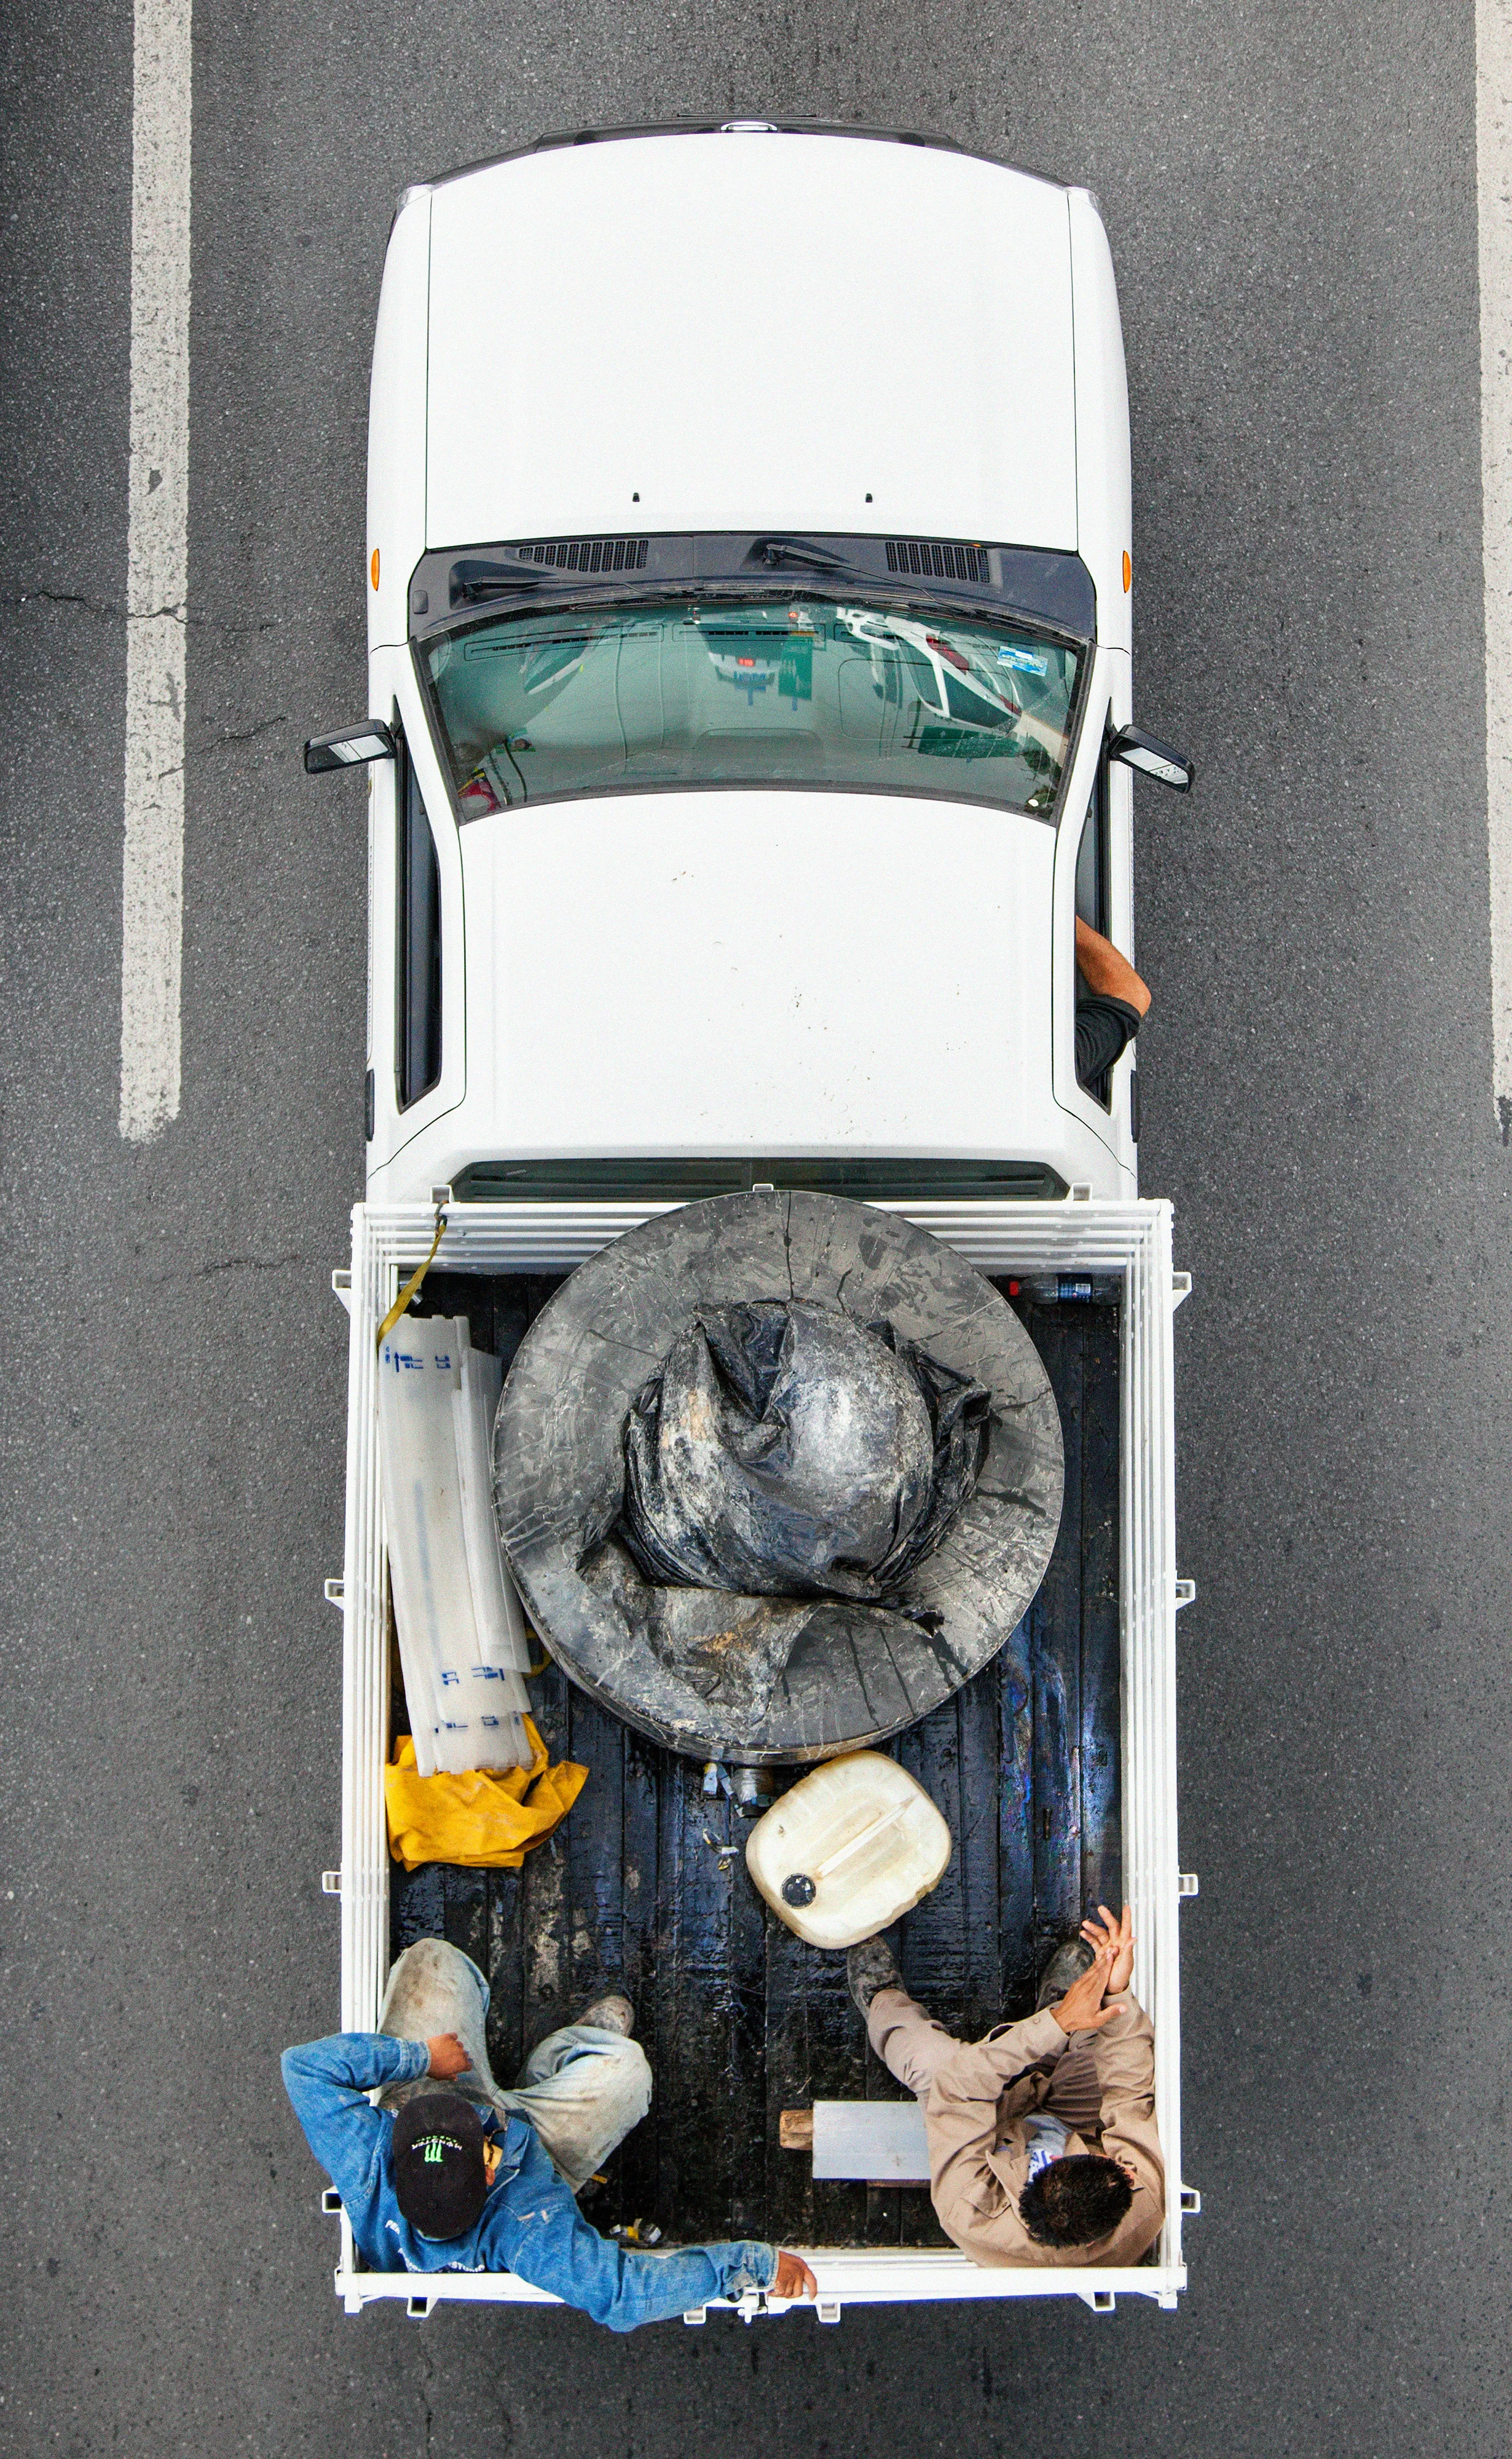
x,y
1291,195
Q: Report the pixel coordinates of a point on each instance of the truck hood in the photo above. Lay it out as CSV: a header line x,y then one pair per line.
x,y
739,330
713,974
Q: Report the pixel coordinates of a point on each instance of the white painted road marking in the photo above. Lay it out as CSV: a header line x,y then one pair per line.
x,y
1494,185
157,571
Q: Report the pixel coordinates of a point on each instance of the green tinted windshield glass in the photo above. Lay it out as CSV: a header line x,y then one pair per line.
x,y
764,692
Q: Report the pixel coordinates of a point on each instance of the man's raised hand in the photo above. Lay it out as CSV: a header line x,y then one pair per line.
x,y
448,2057
1081,2008
1118,1937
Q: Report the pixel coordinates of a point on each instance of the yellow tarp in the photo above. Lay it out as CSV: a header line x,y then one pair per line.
x,y
486,1821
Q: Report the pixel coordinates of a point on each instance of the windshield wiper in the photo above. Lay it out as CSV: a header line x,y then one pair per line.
x,y
800,554
475,578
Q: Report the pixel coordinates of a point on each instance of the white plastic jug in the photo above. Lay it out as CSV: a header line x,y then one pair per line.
x,y
849,1850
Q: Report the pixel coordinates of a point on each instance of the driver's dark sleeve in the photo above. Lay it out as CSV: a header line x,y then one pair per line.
x,y
1105,1028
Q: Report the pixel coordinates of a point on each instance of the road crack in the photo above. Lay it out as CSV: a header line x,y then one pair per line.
x,y
106,612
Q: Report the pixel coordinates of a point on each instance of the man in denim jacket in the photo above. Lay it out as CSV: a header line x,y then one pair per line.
x,y
479,2179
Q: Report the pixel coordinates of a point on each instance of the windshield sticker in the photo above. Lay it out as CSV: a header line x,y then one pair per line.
x,y
477,798
1024,661
944,742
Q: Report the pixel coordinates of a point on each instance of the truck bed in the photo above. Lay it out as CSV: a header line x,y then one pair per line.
x,y
741,2020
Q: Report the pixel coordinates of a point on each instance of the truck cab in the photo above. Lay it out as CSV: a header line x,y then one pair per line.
x,y
749,606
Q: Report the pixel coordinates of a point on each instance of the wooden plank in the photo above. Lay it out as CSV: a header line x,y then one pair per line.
x,y
639,2189
545,1991
745,2100
505,1970
693,2004
1101,1792
1016,1765
416,1905
978,1848
789,2181
932,1947
592,1839
1016,1867
1055,1625
932,1942
465,1917
592,1850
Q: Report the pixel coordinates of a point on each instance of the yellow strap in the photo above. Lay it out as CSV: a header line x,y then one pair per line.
x,y
411,1284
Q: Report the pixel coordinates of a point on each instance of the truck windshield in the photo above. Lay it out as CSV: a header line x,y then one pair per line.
x,y
797,690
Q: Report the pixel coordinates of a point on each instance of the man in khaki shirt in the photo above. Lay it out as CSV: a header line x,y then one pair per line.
x,y
1042,2137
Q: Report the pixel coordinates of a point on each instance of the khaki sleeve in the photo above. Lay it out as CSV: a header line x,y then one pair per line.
x,y
1125,2050
980,2072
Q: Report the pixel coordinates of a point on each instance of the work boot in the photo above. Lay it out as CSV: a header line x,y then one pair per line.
x,y
870,1968
613,2012
1068,1963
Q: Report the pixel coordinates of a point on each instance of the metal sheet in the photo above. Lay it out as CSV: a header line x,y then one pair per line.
x,y
879,2140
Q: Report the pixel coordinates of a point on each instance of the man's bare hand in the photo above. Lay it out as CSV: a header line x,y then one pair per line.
x,y
1081,2008
794,2278
448,2057
1118,1937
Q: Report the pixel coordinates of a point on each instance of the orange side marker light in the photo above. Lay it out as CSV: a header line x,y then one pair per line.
x,y
375,568
1128,569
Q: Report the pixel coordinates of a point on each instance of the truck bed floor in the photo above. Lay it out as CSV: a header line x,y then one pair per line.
x,y
739,2020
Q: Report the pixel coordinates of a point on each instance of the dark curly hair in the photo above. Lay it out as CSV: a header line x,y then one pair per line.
x,y
1075,2200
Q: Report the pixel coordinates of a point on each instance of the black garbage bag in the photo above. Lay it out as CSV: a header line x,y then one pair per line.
x,y
787,1450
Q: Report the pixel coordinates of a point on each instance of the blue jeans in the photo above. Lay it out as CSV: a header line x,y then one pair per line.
x,y
581,2089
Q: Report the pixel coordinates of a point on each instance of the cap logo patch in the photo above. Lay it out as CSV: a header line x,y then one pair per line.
x,y
433,2148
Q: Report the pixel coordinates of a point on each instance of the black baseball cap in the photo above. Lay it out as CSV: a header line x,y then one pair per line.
x,y
439,2178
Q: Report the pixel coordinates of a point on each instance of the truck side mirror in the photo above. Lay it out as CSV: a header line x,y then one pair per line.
x,y
350,748
1140,751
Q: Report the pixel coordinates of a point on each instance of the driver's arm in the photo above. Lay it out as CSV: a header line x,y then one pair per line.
x,y
1105,972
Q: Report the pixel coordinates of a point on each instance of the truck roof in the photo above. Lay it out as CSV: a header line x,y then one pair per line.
x,y
721,329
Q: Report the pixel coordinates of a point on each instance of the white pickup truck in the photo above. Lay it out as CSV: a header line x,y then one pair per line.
x,y
749,695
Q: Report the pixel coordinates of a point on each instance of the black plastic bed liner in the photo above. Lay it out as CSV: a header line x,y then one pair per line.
x,y
741,2020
